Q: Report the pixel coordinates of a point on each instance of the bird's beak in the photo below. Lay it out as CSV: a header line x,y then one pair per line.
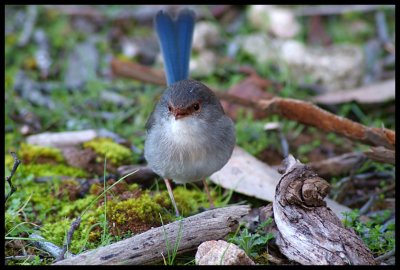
x,y
180,113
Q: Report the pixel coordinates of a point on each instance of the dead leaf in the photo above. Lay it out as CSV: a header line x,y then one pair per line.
x,y
247,175
251,88
375,93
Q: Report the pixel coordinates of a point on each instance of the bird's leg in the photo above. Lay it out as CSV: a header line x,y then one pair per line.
x,y
208,193
171,195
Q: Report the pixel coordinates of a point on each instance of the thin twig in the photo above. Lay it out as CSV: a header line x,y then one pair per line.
x,y
8,178
367,196
364,209
21,258
47,246
74,226
385,256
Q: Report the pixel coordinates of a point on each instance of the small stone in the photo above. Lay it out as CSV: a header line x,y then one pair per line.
x,y
82,63
334,68
221,253
204,64
257,46
279,21
206,35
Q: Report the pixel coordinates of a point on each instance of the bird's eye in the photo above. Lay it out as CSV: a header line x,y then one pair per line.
x,y
196,106
169,108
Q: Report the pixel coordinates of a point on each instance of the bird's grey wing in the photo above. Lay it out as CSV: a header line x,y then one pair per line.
x,y
150,121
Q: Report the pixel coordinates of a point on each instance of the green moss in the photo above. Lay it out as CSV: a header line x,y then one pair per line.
x,y
42,170
189,201
11,141
8,161
43,200
75,208
30,153
136,215
119,188
114,152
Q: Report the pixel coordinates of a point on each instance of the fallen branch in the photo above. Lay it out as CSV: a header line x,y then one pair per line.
x,y
310,114
348,162
148,247
137,72
381,154
338,165
8,178
386,256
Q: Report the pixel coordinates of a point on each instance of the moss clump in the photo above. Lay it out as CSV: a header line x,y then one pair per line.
x,y
8,162
135,215
118,189
75,208
30,153
11,141
189,201
42,170
113,152
70,189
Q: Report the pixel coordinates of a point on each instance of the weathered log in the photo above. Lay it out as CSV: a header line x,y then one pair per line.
x,y
310,232
150,247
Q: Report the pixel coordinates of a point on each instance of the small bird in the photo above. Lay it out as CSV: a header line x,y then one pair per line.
x,y
189,137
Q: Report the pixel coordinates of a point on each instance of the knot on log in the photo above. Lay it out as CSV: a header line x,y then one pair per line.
x,y
314,191
301,186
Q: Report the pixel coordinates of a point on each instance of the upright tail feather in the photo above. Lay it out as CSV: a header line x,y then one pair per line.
x,y
185,25
175,38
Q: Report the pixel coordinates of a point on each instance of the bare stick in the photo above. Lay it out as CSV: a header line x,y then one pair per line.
x,y
47,246
137,72
310,114
385,256
338,165
8,178
381,154
74,226
148,247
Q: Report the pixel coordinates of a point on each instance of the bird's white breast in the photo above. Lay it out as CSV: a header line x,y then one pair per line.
x,y
185,132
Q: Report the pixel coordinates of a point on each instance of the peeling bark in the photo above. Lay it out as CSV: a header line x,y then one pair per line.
x,y
310,233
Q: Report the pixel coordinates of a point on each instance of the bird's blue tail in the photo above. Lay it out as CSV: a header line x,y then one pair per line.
x,y
175,38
